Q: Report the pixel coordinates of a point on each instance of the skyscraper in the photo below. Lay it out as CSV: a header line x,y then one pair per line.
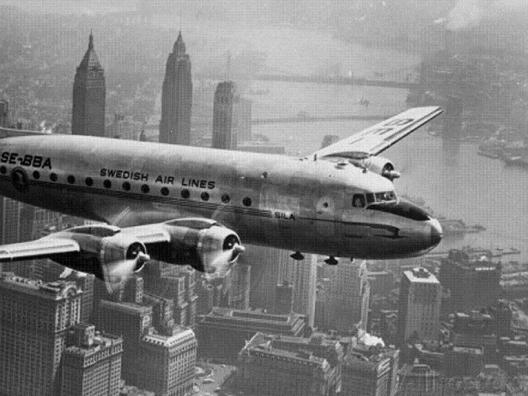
x,y
268,269
302,275
176,97
162,363
472,279
346,296
419,305
34,318
91,364
88,112
4,113
225,117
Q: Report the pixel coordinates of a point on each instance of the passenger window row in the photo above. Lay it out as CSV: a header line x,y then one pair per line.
x,y
185,193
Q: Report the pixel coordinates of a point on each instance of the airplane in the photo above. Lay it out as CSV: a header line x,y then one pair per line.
x,y
188,205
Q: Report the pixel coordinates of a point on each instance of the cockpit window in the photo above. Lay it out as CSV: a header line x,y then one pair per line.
x,y
385,196
370,198
402,208
358,201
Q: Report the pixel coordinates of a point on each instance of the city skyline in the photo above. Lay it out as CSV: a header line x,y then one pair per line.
x,y
451,320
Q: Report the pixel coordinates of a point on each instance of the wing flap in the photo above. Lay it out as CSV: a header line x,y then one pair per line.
x,y
376,139
44,247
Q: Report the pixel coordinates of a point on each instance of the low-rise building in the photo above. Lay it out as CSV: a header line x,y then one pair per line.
x,y
223,332
271,365
91,363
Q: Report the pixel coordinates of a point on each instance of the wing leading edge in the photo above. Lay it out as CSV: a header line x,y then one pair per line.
x,y
41,248
378,138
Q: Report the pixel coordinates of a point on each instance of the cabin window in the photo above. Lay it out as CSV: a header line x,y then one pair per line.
x,y
185,193
225,198
145,188
71,179
126,186
358,201
164,191
3,170
205,196
36,175
53,177
246,201
107,183
89,181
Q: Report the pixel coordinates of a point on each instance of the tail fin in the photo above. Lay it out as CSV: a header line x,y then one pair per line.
x,y
12,132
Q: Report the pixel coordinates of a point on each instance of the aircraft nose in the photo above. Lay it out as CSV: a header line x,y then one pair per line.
x,y
436,232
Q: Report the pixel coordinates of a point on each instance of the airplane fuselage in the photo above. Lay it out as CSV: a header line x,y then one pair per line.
x,y
300,205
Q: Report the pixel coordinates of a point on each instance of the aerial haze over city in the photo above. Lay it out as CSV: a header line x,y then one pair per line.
x,y
287,80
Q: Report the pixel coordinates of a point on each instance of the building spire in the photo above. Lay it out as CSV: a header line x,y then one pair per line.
x,y
179,45
90,42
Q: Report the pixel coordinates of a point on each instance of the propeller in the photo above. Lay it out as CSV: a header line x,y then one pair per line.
x,y
224,260
117,273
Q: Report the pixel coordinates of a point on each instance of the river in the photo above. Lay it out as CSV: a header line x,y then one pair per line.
x,y
454,181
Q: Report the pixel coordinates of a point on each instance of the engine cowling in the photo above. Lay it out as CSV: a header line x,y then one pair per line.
x,y
212,249
381,166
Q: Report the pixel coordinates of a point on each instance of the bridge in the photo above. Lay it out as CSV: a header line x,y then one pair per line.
x,y
338,80
280,120
402,83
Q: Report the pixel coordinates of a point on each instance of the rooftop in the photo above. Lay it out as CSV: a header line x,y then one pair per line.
x,y
420,275
179,335
57,290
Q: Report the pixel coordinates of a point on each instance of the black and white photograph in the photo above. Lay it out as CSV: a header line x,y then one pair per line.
x,y
263,197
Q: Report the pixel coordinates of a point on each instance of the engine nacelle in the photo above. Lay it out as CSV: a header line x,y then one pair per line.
x,y
209,248
381,166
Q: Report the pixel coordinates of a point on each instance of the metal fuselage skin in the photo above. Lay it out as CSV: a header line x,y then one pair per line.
x,y
271,200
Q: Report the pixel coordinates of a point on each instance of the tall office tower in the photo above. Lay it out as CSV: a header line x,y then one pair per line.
x,y
346,296
419,306
11,225
177,283
91,363
205,292
88,112
302,275
35,318
4,113
176,97
162,312
244,115
283,298
10,215
161,363
472,279
419,380
225,116
235,287
167,363
268,269
131,321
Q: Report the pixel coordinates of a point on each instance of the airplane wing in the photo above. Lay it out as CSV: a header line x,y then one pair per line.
x,y
40,248
376,139
113,254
